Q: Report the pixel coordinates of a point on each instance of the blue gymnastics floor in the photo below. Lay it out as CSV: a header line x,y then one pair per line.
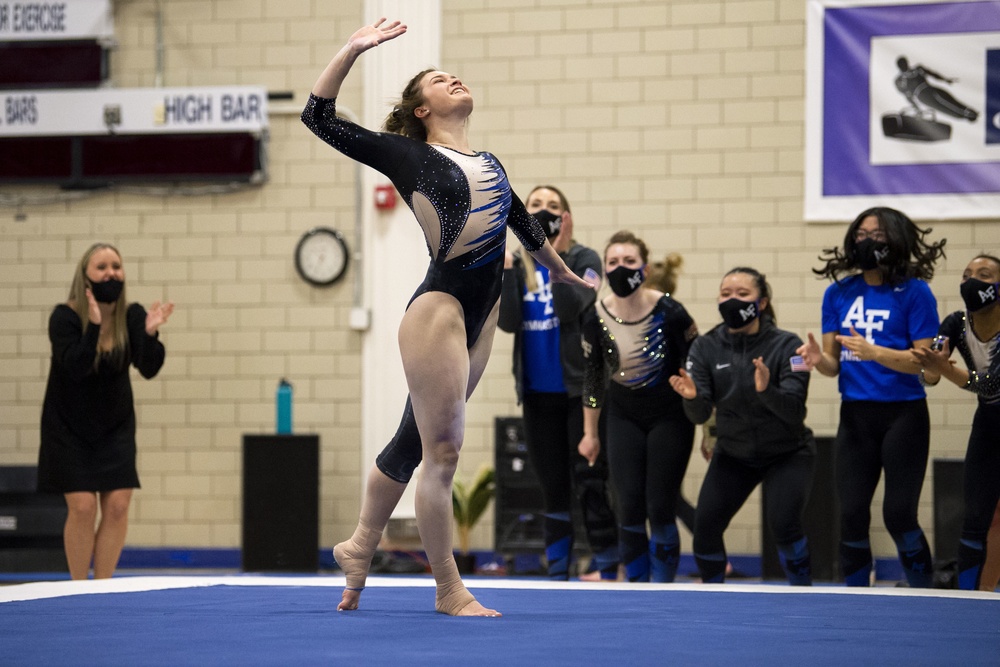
x,y
275,620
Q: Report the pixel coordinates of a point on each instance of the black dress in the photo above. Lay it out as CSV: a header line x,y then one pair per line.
x,y
88,417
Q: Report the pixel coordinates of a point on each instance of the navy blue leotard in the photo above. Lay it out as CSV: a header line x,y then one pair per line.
x,y
464,204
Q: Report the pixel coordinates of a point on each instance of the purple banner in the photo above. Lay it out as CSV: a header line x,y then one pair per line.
x,y
847,167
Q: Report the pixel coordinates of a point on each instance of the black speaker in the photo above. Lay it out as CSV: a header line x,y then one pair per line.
x,y
821,522
518,503
281,503
31,524
949,507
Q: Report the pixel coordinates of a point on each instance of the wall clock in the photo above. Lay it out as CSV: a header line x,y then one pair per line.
x,y
321,256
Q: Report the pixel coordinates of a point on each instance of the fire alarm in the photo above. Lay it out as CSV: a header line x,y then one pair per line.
x,y
385,197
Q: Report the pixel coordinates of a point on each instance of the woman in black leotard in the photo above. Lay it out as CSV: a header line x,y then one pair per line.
x,y
463,202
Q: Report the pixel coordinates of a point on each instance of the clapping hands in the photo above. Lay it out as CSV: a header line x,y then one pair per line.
x,y
683,384
157,316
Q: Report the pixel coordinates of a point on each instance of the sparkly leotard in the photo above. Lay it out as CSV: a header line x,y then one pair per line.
x,y
462,202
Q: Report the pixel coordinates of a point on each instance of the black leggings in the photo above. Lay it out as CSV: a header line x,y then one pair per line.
x,y
982,492
553,427
401,456
648,451
874,436
727,485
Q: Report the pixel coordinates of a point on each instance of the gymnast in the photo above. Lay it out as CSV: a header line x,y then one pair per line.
x,y
464,203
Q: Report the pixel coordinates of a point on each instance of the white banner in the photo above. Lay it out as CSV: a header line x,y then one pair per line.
x,y
903,108
132,111
72,19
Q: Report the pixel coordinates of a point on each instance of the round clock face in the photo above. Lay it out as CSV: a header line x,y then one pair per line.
x,y
321,256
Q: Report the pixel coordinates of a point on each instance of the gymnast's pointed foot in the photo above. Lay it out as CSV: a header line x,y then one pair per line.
x,y
349,600
354,560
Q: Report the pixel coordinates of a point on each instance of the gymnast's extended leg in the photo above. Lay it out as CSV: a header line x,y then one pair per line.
x,y
436,360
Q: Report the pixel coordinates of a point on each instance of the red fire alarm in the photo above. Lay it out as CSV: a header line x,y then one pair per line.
x,y
385,197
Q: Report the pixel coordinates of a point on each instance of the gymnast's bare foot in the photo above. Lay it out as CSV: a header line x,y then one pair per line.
x,y
476,609
349,600
456,600
354,563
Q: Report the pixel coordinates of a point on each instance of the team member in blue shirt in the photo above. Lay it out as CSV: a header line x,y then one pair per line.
x,y
878,307
548,374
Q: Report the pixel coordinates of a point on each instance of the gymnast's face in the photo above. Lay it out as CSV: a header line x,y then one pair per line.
x,y
443,95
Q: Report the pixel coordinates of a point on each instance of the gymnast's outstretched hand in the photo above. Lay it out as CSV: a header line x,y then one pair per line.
x,y
370,36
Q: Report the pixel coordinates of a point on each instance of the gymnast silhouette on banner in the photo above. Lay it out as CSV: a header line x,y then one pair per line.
x,y
919,122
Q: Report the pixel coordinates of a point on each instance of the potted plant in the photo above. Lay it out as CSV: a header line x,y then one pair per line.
x,y
469,502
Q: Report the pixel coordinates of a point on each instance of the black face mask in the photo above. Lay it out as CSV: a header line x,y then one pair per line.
x,y
551,222
107,291
977,295
868,254
737,313
624,280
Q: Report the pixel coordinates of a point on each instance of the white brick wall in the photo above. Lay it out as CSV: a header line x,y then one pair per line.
x,y
680,120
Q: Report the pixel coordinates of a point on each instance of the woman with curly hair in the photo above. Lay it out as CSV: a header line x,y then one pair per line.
x,y
877,308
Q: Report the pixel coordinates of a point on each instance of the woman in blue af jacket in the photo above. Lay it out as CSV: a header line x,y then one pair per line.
x,y
878,307
748,370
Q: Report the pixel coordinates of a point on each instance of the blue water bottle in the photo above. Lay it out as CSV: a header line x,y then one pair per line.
x,y
283,400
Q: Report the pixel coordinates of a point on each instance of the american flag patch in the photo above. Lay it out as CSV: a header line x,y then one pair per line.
x,y
799,364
